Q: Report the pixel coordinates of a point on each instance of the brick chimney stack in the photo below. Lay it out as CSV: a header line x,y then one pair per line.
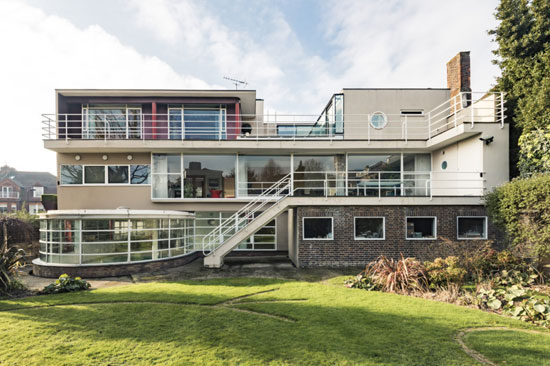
x,y
458,75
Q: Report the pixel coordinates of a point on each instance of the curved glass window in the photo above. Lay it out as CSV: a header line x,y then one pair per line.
x,y
112,241
378,120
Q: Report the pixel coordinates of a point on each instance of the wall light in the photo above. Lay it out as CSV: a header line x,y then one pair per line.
x,y
129,157
77,157
104,157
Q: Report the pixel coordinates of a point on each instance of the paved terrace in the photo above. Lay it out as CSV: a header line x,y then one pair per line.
x,y
264,267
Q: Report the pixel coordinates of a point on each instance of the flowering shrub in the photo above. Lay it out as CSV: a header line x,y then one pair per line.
x,y
66,284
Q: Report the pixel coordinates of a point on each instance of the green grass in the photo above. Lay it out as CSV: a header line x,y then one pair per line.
x,y
511,347
187,324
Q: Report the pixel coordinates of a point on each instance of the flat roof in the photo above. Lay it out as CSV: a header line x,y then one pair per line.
x,y
247,97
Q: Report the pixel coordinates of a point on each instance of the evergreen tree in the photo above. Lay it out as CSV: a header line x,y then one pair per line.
x,y
523,55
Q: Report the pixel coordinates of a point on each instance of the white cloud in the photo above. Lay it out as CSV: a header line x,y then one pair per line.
x,y
268,65
370,44
43,52
374,43
407,43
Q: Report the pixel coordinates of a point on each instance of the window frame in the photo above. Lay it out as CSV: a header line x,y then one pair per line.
x,y
108,177
318,217
70,184
486,226
421,217
384,116
37,188
369,217
106,174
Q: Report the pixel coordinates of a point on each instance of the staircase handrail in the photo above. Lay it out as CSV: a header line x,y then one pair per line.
x,y
275,193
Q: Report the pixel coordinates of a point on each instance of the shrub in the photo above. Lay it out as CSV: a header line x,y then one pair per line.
x,y
515,301
534,153
442,272
19,227
66,284
525,277
49,201
10,259
522,208
364,282
487,264
399,276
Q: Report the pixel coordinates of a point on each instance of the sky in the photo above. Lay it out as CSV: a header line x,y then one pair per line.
x,y
294,53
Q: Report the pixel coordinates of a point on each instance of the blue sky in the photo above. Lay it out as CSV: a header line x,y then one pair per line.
x,y
294,53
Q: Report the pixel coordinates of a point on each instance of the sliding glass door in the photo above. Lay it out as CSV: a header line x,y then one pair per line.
x,y
111,121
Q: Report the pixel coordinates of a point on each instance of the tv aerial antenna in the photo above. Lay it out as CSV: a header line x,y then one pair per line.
x,y
236,82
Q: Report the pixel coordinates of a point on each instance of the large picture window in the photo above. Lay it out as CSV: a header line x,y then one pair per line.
x,y
374,175
317,228
421,228
416,174
193,176
209,176
472,227
319,175
167,176
197,122
369,228
258,173
112,121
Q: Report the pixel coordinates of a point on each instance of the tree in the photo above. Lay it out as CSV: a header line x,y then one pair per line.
x,y
523,55
522,208
534,151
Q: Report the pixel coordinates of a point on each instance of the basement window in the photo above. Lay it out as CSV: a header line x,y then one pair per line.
x,y
421,228
317,228
369,228
471,227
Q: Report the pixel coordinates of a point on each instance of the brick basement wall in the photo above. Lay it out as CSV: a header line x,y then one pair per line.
x,y
345,251
114,270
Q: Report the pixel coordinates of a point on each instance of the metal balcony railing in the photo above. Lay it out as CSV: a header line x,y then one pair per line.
x,y
464,108
377,184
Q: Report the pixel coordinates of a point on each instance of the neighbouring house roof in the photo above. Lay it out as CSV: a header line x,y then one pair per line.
x,y
29,179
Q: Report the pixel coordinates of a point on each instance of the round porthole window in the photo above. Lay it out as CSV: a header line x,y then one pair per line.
x,y
378,120
444,165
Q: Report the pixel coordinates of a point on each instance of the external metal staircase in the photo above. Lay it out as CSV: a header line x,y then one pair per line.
x,y
245,222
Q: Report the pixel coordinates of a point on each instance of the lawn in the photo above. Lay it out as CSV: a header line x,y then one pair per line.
x,y
215,322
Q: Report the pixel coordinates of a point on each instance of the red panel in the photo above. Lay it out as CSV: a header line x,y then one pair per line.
x,y
154,119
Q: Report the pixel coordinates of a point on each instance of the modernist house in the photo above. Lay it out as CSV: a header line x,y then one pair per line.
x,y
156,178
24,190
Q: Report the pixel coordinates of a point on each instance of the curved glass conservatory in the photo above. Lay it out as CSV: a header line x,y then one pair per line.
x,y
122,236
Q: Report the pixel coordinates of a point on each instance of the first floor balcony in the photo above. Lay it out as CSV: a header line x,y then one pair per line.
x,y
179,177
9,194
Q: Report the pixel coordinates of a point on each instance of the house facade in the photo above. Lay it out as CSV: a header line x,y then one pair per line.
x,y
155,178
24,190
